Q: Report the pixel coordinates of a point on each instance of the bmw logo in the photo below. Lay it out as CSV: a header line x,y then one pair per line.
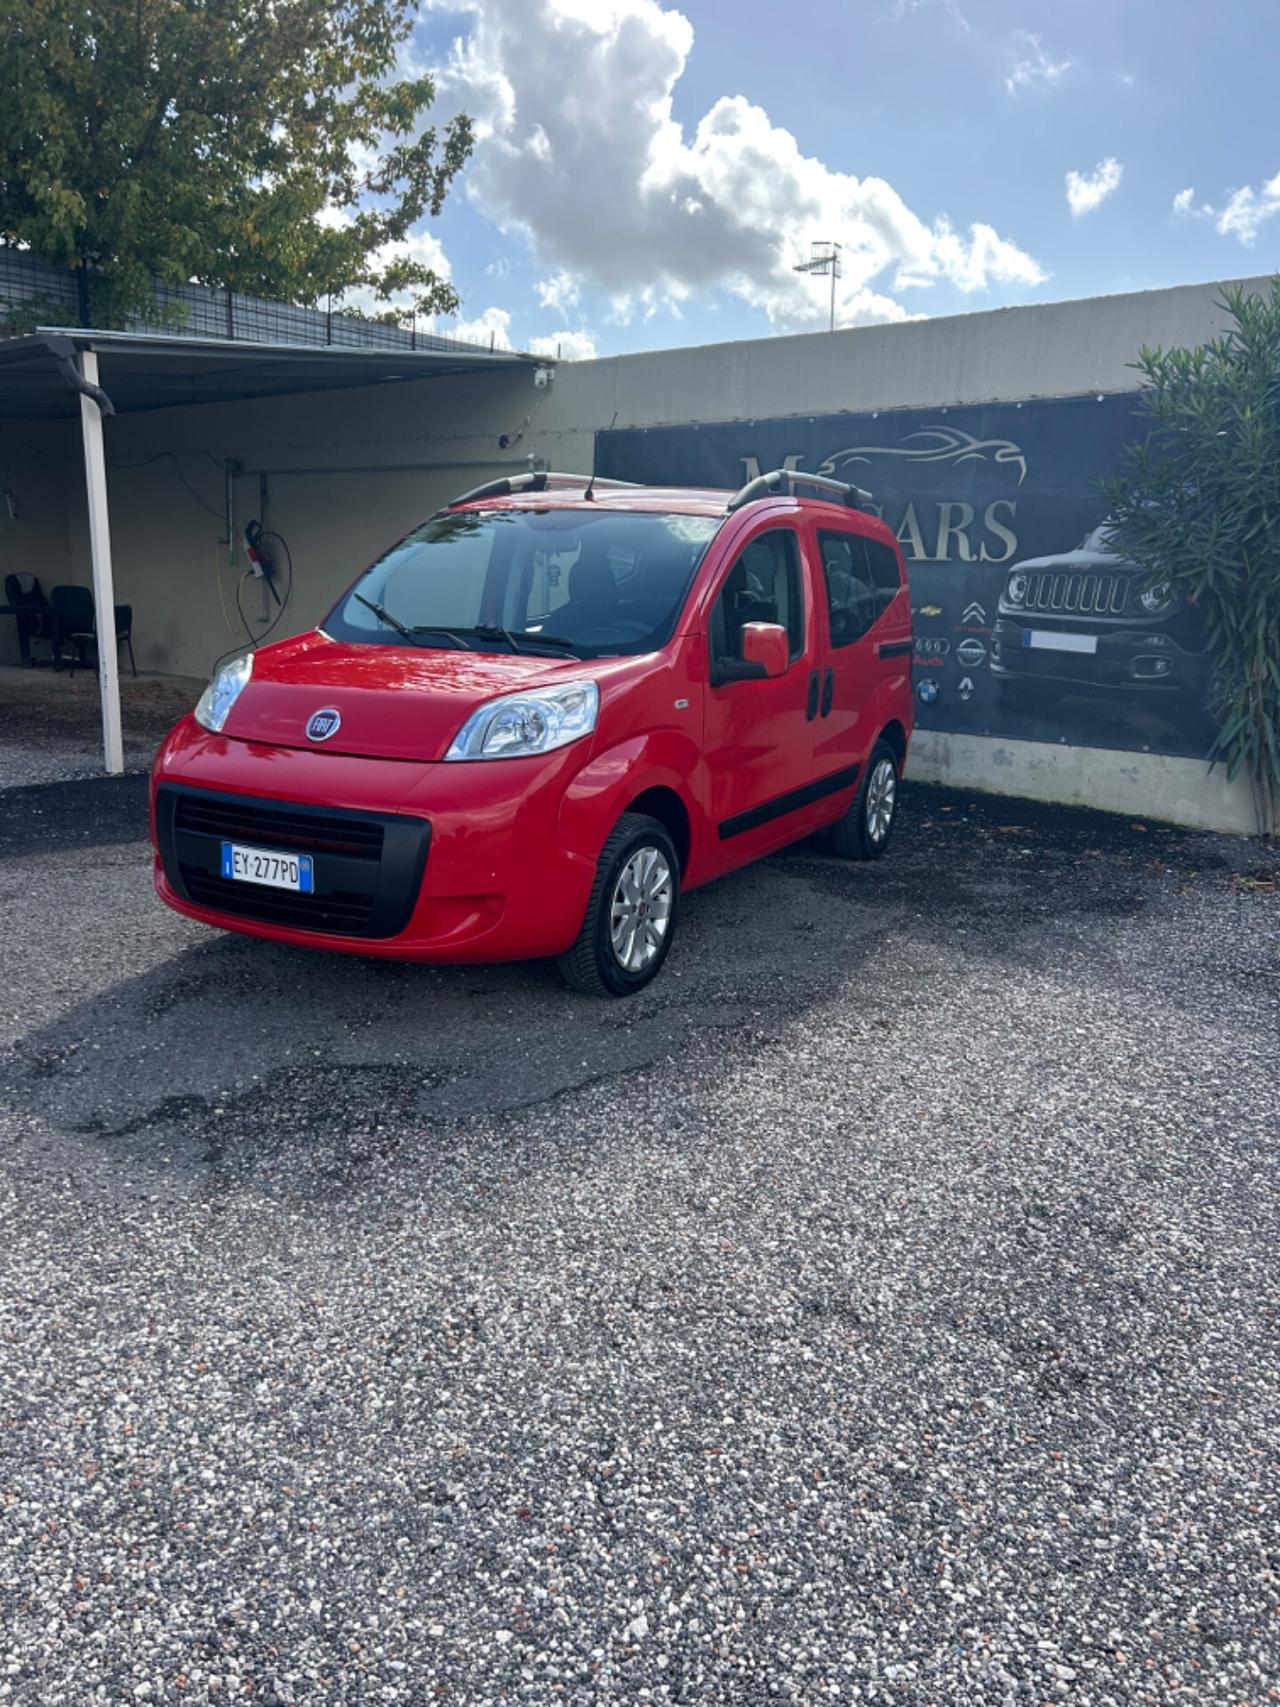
x,y
322,724
927,691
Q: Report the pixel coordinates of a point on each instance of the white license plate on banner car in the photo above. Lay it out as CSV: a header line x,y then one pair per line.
x,y
1053,640
262,865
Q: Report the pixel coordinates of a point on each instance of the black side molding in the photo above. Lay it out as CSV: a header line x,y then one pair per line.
x,y
894,648
792,802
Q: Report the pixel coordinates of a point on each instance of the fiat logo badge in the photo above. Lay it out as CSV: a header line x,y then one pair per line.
x,y
322,724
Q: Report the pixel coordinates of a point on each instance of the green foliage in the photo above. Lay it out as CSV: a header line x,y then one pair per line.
x,y
1198,505
199,139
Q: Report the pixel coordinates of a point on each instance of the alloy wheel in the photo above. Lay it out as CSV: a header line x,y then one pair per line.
x,y
882,795
640,913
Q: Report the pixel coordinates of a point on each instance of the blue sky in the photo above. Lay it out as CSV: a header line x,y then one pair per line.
x,y
646,174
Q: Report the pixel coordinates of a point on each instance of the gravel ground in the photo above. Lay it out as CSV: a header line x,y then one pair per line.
x,y
51,721
882,1308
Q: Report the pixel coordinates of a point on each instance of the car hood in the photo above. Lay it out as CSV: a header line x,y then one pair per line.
x,y
1093,562
394,702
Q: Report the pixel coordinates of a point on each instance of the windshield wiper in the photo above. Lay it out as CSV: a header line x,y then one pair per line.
x,y
403,628
385,615
493,631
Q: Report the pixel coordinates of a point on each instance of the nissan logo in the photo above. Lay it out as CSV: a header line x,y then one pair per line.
x,y
322,724
971,653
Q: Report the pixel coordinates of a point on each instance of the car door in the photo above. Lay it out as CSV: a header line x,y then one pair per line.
x,y
758,733
860,580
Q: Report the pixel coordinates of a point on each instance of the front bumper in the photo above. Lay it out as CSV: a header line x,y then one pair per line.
x,y
1139,659
412,861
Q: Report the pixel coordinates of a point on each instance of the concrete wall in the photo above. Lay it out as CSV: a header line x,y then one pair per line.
x,y
33,467
442,438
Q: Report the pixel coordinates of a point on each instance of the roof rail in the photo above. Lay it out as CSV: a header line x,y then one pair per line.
x,y
765,485
536,480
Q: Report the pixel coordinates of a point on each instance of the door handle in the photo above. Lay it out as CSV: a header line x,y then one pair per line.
x,y
828,690
811,709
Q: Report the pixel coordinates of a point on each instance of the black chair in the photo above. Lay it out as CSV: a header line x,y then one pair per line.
x,y
33,612
77,624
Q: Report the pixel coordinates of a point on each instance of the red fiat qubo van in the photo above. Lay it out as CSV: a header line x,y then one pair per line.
x,y
540,717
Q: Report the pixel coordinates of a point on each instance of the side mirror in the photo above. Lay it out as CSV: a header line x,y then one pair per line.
x,y
766,644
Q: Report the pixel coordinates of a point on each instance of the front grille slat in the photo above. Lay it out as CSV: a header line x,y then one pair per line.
x,y
341,913
255,824
1073,590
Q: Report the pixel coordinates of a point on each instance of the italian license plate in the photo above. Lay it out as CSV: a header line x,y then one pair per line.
x,y
1054,640
262,865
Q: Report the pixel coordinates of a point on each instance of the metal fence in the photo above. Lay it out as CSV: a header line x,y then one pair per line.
x,y
56,296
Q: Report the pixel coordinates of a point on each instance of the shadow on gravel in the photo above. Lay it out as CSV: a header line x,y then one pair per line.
x,y
94,812
233,1054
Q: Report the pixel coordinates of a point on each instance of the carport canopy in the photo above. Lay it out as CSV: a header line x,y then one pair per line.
x,y
58,372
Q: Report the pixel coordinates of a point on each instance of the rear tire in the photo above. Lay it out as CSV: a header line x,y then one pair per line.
x,y
865,829
631,916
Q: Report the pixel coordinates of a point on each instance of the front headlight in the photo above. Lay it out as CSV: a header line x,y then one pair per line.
x,y
1158,599
222,693
521,724
1016,591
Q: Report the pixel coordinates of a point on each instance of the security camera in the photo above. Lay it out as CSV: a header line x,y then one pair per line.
x,y
542,377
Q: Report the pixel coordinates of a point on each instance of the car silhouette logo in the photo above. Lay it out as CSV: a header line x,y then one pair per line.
x,y
322,724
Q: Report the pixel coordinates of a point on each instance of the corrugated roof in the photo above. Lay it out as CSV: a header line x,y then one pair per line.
x,y
140,370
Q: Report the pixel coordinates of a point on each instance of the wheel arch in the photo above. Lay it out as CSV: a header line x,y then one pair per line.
x,y
896,736
664,804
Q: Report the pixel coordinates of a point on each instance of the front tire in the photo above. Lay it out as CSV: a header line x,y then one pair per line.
x,y
631,916
864,831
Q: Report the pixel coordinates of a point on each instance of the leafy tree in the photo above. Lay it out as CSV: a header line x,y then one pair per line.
x,y
1197,505
199,140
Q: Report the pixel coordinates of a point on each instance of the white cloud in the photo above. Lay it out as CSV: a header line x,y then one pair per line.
x,y
1088,190
578,147
1247,210
561,291
493,326
1034,68
1243,214
568,346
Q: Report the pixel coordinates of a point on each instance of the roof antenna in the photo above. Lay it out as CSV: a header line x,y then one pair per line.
x,y
588,494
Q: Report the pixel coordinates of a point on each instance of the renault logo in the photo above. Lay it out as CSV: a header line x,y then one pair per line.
x,y
322,724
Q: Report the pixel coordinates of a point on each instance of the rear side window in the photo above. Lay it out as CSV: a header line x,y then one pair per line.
x,y
884,572
853,600
763,586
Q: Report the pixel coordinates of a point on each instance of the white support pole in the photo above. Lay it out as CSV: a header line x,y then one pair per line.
x,y
104,598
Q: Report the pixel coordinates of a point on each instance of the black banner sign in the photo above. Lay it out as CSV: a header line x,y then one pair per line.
x,y
1027,624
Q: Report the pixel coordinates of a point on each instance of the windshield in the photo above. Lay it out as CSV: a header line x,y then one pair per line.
x,y
595,583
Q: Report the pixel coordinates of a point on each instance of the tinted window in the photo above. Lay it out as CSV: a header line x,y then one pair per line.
x,y
763,586
853,601
609,581
884,572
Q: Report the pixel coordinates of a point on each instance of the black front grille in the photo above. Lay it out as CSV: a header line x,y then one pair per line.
x,y
346,913
367,866
1077,591
261,821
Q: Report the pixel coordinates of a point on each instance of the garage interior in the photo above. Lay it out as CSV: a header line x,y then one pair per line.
x,y
121,451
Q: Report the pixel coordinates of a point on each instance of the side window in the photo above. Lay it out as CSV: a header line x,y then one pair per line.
x,y
884,572
853,603
764,585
